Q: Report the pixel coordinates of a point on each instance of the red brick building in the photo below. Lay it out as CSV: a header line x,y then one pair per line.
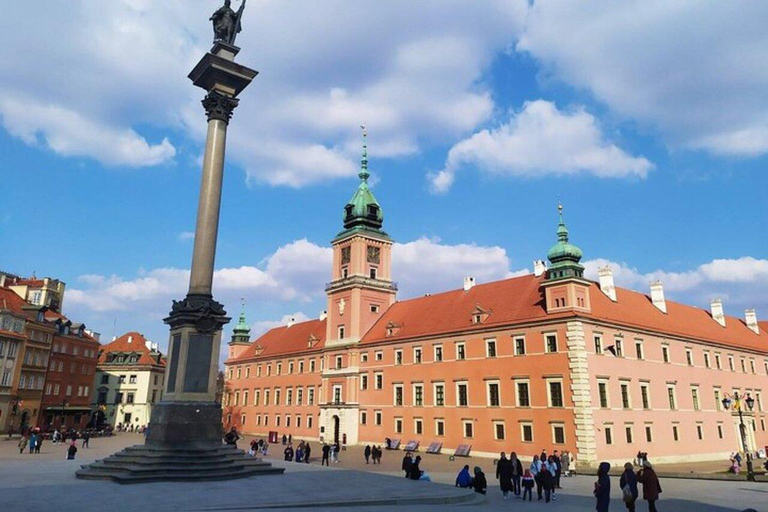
x,y
68,389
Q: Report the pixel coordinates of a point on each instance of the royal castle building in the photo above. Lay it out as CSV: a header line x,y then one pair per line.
x,y
547,360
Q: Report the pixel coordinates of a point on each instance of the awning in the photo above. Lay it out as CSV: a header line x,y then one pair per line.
x,y
69,408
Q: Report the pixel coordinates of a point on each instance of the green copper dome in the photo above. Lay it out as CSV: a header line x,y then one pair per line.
x,y
242,331
363,210
564,256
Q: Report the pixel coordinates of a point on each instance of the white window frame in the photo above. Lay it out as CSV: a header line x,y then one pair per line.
x,y
398,353
363,381
488,385
496,424
527,382
463,346
418,425
377,418
625,384
378,383
414,387
488,343
418,355
458,394
464,424
435,350
398,425
435,385
439,421
524,424
549,392
605,383
515,339
395,387
639,350
552,430
547,349
647,387
607,435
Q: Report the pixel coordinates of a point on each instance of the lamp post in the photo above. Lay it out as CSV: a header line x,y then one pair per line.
x,y
63,410
737,406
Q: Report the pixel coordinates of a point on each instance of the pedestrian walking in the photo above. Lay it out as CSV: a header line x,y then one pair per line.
x,y
558,468
527,483
307,451
406,465
547,476
367,453
288,453
464,479
285,439
290,439
479,483
565,459
86,440
628,484
72,450
603,488
336,450
651,486
326,454
39,443
504,474
535,469
22,444
32,442
517,473
299,456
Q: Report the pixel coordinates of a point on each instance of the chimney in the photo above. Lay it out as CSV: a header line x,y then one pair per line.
x,y
716,307
539,267
657,296
114,338
323,315
469,282
291,321
148,344
751,319
130,339
605,275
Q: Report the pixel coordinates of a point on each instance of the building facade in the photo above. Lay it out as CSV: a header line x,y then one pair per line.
x,y
48,292
129,380
547,360
66,400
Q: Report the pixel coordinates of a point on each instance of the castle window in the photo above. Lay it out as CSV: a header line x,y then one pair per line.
x,y
348,210
373,211
374,308
373,272
344,272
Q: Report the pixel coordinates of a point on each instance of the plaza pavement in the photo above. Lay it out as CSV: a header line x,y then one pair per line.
x,y
46,481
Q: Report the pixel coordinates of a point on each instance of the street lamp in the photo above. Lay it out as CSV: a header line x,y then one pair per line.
x,y
736,402
63,407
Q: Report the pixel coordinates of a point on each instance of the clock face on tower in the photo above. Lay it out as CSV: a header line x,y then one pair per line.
x,y
374,254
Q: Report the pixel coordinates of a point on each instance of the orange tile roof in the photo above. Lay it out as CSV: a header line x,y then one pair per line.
x,y
137,343
512,300
11,301
520,300
285,340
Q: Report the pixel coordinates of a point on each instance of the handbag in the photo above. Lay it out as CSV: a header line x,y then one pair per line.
x,y
627,491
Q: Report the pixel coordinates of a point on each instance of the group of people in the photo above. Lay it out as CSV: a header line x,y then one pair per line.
x,y
628,483
300,454
372,453
477,482
412,468
259,446
34,441
330,454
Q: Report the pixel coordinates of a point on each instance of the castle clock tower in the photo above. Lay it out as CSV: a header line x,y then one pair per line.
x,y
361,288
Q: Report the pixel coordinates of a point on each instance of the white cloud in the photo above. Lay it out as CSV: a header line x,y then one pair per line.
x,y
412,70
260,327
69,133
694,70
540,140
428,266
186,235
741,282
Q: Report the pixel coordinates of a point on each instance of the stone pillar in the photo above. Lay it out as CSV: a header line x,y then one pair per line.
x,y
189,416
586,444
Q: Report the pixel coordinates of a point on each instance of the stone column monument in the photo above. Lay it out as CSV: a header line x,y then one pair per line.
x,y
184,440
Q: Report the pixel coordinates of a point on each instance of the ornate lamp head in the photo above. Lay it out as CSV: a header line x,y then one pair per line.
x,y
727,403
750,401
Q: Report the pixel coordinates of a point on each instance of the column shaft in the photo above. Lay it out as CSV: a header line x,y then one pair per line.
x,y
206,230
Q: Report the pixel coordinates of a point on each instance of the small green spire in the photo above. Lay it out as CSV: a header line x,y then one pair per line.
x,y
564,256
364,174
242,331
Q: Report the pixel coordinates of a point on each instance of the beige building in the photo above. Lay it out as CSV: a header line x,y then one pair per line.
x,y
47,291
129,380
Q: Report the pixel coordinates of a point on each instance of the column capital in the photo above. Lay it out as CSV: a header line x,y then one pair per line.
x,y
219,106
199,310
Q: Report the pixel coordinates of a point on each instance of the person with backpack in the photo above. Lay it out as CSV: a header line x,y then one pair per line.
x,y
628,485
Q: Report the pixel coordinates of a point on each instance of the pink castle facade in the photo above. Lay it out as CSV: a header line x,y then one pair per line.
x,y
548,360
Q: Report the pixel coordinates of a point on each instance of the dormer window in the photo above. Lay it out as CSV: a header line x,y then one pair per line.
x,y
480,315
393,329
373,211
348,210
478,319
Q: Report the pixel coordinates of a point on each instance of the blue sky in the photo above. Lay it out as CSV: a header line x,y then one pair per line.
x,y
649,123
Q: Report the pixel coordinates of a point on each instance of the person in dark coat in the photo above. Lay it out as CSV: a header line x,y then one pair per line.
x,y
407,462
326,455
232,437
288,453
547,479
559,469
464,479
367,453
504,474
307,451
603,488
71,451
517,472
629,481
651,486
479,483
414,472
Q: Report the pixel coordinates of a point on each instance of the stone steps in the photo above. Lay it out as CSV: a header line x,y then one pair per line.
x,y
149,464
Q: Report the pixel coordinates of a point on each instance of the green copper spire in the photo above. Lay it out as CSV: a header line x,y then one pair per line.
x,y
364,174
363,212
564,256
242,331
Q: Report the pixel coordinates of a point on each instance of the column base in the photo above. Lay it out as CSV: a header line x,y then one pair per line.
x,y
184,443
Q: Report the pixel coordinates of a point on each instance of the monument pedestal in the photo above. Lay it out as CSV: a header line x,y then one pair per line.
x,y
184,441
